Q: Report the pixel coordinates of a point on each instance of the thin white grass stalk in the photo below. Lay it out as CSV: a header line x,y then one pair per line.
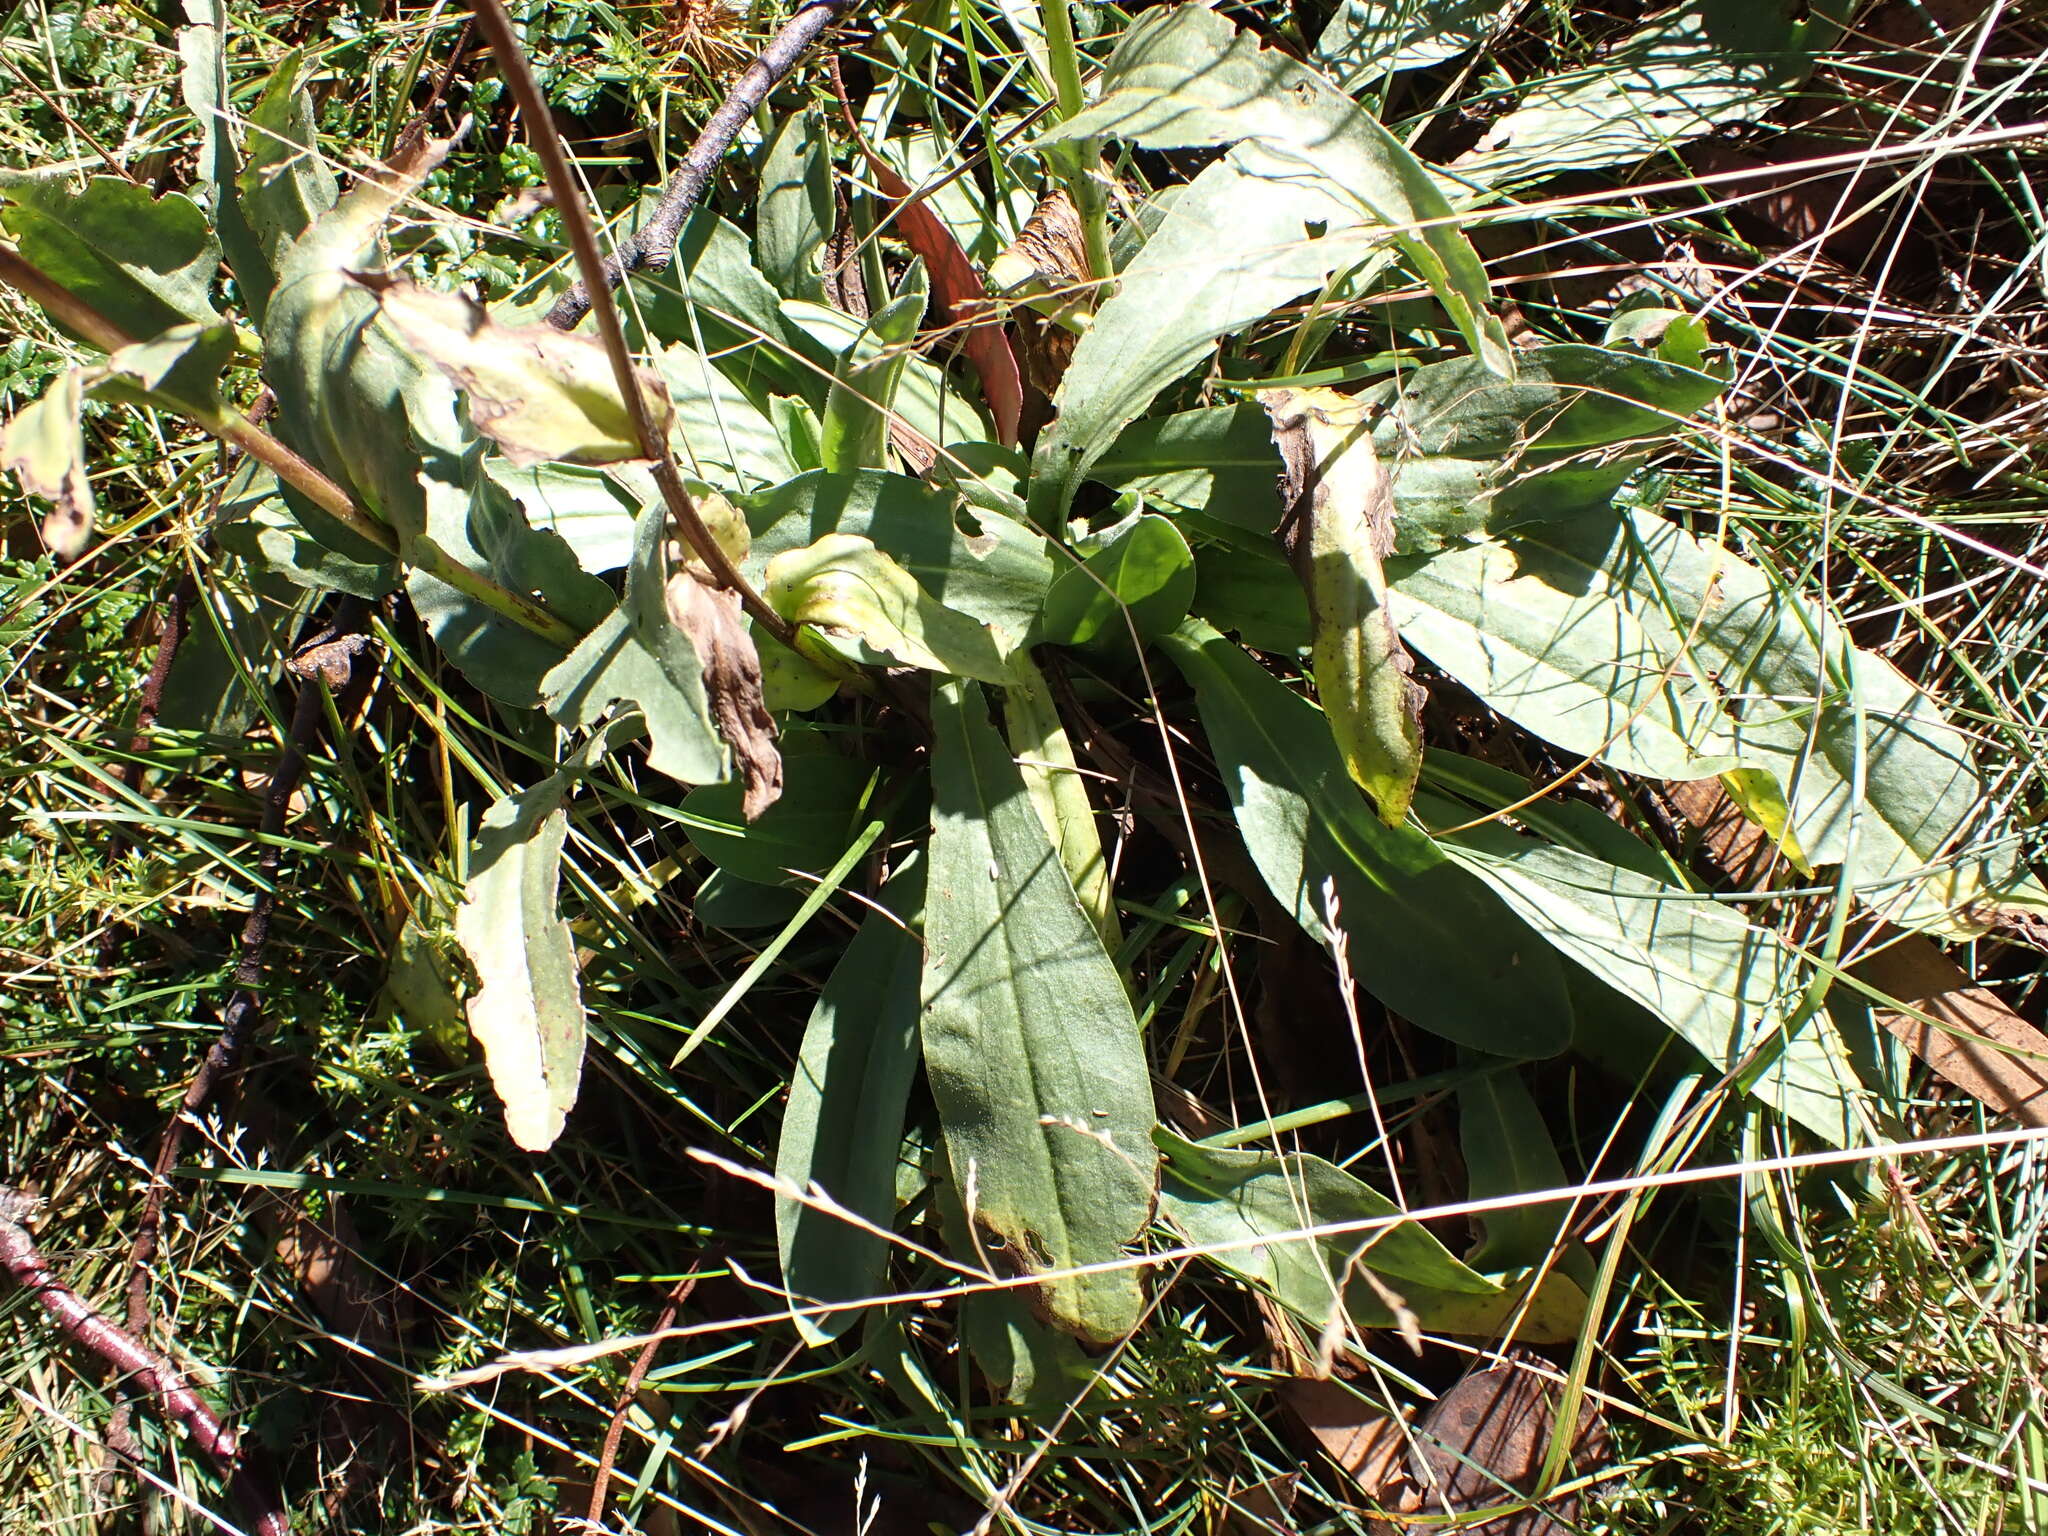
x,y
583,1354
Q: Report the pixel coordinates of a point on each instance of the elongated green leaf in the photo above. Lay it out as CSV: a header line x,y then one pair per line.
x,y
1562,658
1339,528
538,393
1029,1040
1183,77
1368,39
793,212
1563,398
1689,70
1046,759
1219,461
1923,840
1432,944
1508,1151
1227,1197
872,610
1145,570
145,263
1245,236
1725,986
853,433
843,1123
43,444
927,399
280,193
980,563
178,370
527,1011
637,654
592,510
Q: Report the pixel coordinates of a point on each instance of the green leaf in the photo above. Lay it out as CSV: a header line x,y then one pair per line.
x,y
1046,759
145,263
178,370
1563,398
1029,1040
538,393
636,654
1339,529
980,563
283,190
724,901
853,433
843,1122
1367,40
1184,77
1925,841
873,611
1508,1151
804,831
1725,986
1147,570
1228,1197
715,301
590,509
1241,240
928,400
1563,658
1429,942
256,525
43,443
527,1011
720,435
793,209
1688,71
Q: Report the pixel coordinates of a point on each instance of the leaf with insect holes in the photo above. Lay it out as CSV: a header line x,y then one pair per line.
x,y
143,262
1030,1045
44,444
527,1011
540,394
1339,527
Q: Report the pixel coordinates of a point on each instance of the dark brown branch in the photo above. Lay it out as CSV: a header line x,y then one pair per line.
x,y
654,246
547,144
157,1374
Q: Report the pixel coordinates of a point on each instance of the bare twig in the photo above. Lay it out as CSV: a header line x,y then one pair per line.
x,y
654,247
78,1321
497,27
617,1429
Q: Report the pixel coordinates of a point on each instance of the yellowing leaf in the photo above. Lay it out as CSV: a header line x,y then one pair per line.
x,y
539,393
1338,528
844,586
44,444
527,1011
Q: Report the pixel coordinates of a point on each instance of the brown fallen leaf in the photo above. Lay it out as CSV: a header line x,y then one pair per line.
x,y
1365,1442
717,627
1263,1509
1977,1042
1493,1429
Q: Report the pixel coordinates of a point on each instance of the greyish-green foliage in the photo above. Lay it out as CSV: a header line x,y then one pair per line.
x,y
1242,806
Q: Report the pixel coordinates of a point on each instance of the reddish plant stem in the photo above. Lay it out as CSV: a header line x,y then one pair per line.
x,y
616,1431
157,1374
